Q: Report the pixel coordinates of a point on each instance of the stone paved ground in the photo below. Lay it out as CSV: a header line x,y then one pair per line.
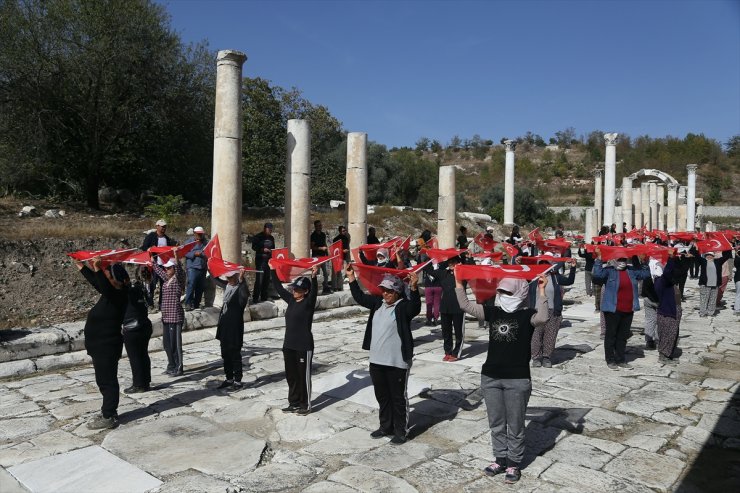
x,y
656,428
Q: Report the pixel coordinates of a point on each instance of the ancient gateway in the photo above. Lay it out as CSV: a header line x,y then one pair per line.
x,y
646,206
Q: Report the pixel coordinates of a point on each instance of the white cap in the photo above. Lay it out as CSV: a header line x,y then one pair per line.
x,y
161,222
198,229
170,263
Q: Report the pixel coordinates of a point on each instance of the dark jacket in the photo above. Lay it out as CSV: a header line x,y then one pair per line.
x,y
136,309
557,280
448,303
405,312
665,291
150,240
589,258
726,255
193,261
298,316
231,324
103,325
737,268
260,241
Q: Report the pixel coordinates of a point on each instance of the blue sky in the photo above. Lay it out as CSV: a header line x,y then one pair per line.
x,y
405,69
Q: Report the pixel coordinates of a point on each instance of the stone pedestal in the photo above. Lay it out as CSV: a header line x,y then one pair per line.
x,y
626,202
356,192
446,207
298,188
610,169
691,196
645,206
509,184
598,198
671,208
226,196
681,220
636,208
589,226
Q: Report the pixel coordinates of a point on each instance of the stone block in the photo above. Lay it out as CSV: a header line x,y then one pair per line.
x,y
367,480
17,368
262,311
590,480
392,459
33,343
276,477
640,466
63,360
194,482
15,428
50,443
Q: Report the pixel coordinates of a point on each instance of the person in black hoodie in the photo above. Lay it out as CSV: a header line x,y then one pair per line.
x,y
298,342
589,257
506,382
103,339
391,345
263,244
230,330
137,330
449,309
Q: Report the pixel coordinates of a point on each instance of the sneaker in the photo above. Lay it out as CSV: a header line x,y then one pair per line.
x,y
379,433
225,383
101,423
512,475
303,411
177,373
546,363
446,357
168,371
625,366
452,358
650,345
135,390
290,409
429,322
612,366
398,440
494,469
188,308
536,363
666,360
326,291
237,385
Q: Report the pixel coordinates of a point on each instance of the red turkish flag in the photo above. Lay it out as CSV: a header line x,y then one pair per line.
x,y
370,251
715,242
685,237
107,256
401,246
287,270
535,235
540,258
487,244
635,234
213,248
335,251
219,267
495,256
511,250
557,245
370,275
441,255
616,252
140,258
433,243
281,254
167,252
483,279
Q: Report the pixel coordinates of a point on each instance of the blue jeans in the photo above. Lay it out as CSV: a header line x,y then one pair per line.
x,y
194,290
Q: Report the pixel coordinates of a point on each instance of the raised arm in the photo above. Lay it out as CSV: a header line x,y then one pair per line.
x,y
90,276
281,291
542,315
159,271
466,305
314,287
567,281
362,299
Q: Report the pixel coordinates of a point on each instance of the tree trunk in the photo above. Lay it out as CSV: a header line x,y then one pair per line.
x,y
92,183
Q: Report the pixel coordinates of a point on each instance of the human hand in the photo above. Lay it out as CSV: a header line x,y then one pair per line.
x,y
572,262
413,280
96,263
314,271
542,282
350,272
79,264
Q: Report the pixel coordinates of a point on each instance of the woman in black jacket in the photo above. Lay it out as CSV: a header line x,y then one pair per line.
x,y
452,315
103,339
230,331
137,330
391,345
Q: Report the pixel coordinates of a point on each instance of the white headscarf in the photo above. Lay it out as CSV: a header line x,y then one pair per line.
x,y
511,302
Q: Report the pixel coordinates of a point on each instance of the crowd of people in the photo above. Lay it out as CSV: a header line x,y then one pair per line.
x,y
523,315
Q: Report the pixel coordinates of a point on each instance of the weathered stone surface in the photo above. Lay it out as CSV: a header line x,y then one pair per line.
x,y
351,441
717,383
368,480
584,451
165,446
590,480
645,442
439,475
641,466
392,459
276,477
87,469
328,487
16,368
51,443
8,484
194,483
14,428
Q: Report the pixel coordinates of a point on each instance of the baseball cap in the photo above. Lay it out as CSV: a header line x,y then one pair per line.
x,y
391,282
170,263
198,229
161,222
301,283
268,225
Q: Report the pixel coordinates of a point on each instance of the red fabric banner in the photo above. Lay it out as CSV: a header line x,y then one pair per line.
x,y
535,235
715,242
167,252
487,244
335,251
371,250
281,254
107,256
370,275
213,248
287,270
483,279
441,255
510,249
140,258
540,258
683,236
556,245
401,246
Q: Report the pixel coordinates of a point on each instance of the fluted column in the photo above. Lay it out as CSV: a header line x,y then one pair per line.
x,y
637,207
356,180
645,197
509,184
661,206
627,201
610,170
226,196
653,188
598,197
446,207
671,213
691,197
298,188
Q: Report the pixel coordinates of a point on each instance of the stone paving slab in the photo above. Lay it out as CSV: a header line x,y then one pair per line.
x,y
90,469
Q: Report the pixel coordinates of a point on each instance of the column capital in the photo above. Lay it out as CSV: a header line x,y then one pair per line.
x,y
611,138
673,186
510,145
691,168
598,172
231,57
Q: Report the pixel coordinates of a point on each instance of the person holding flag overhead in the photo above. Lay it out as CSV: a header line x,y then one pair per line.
x,y
298,342
173,315
157,238
391,345
505,377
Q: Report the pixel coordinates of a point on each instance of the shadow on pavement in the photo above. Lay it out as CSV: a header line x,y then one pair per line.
x,y
440,405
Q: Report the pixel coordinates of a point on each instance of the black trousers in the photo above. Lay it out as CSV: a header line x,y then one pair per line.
x,y
298,375
137,349
682,284
695,267
390,385
105,364
618,325
232,356
261,281
448,321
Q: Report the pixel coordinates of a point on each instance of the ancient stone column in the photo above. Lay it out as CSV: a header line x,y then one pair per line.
x,y
226,196
610,170
671,208
660,196
626,202
509,184
446,207
588,229
356,200
645,206
598,198
709,227
618,218
637,207
691,197
298,188
681,220
653,205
